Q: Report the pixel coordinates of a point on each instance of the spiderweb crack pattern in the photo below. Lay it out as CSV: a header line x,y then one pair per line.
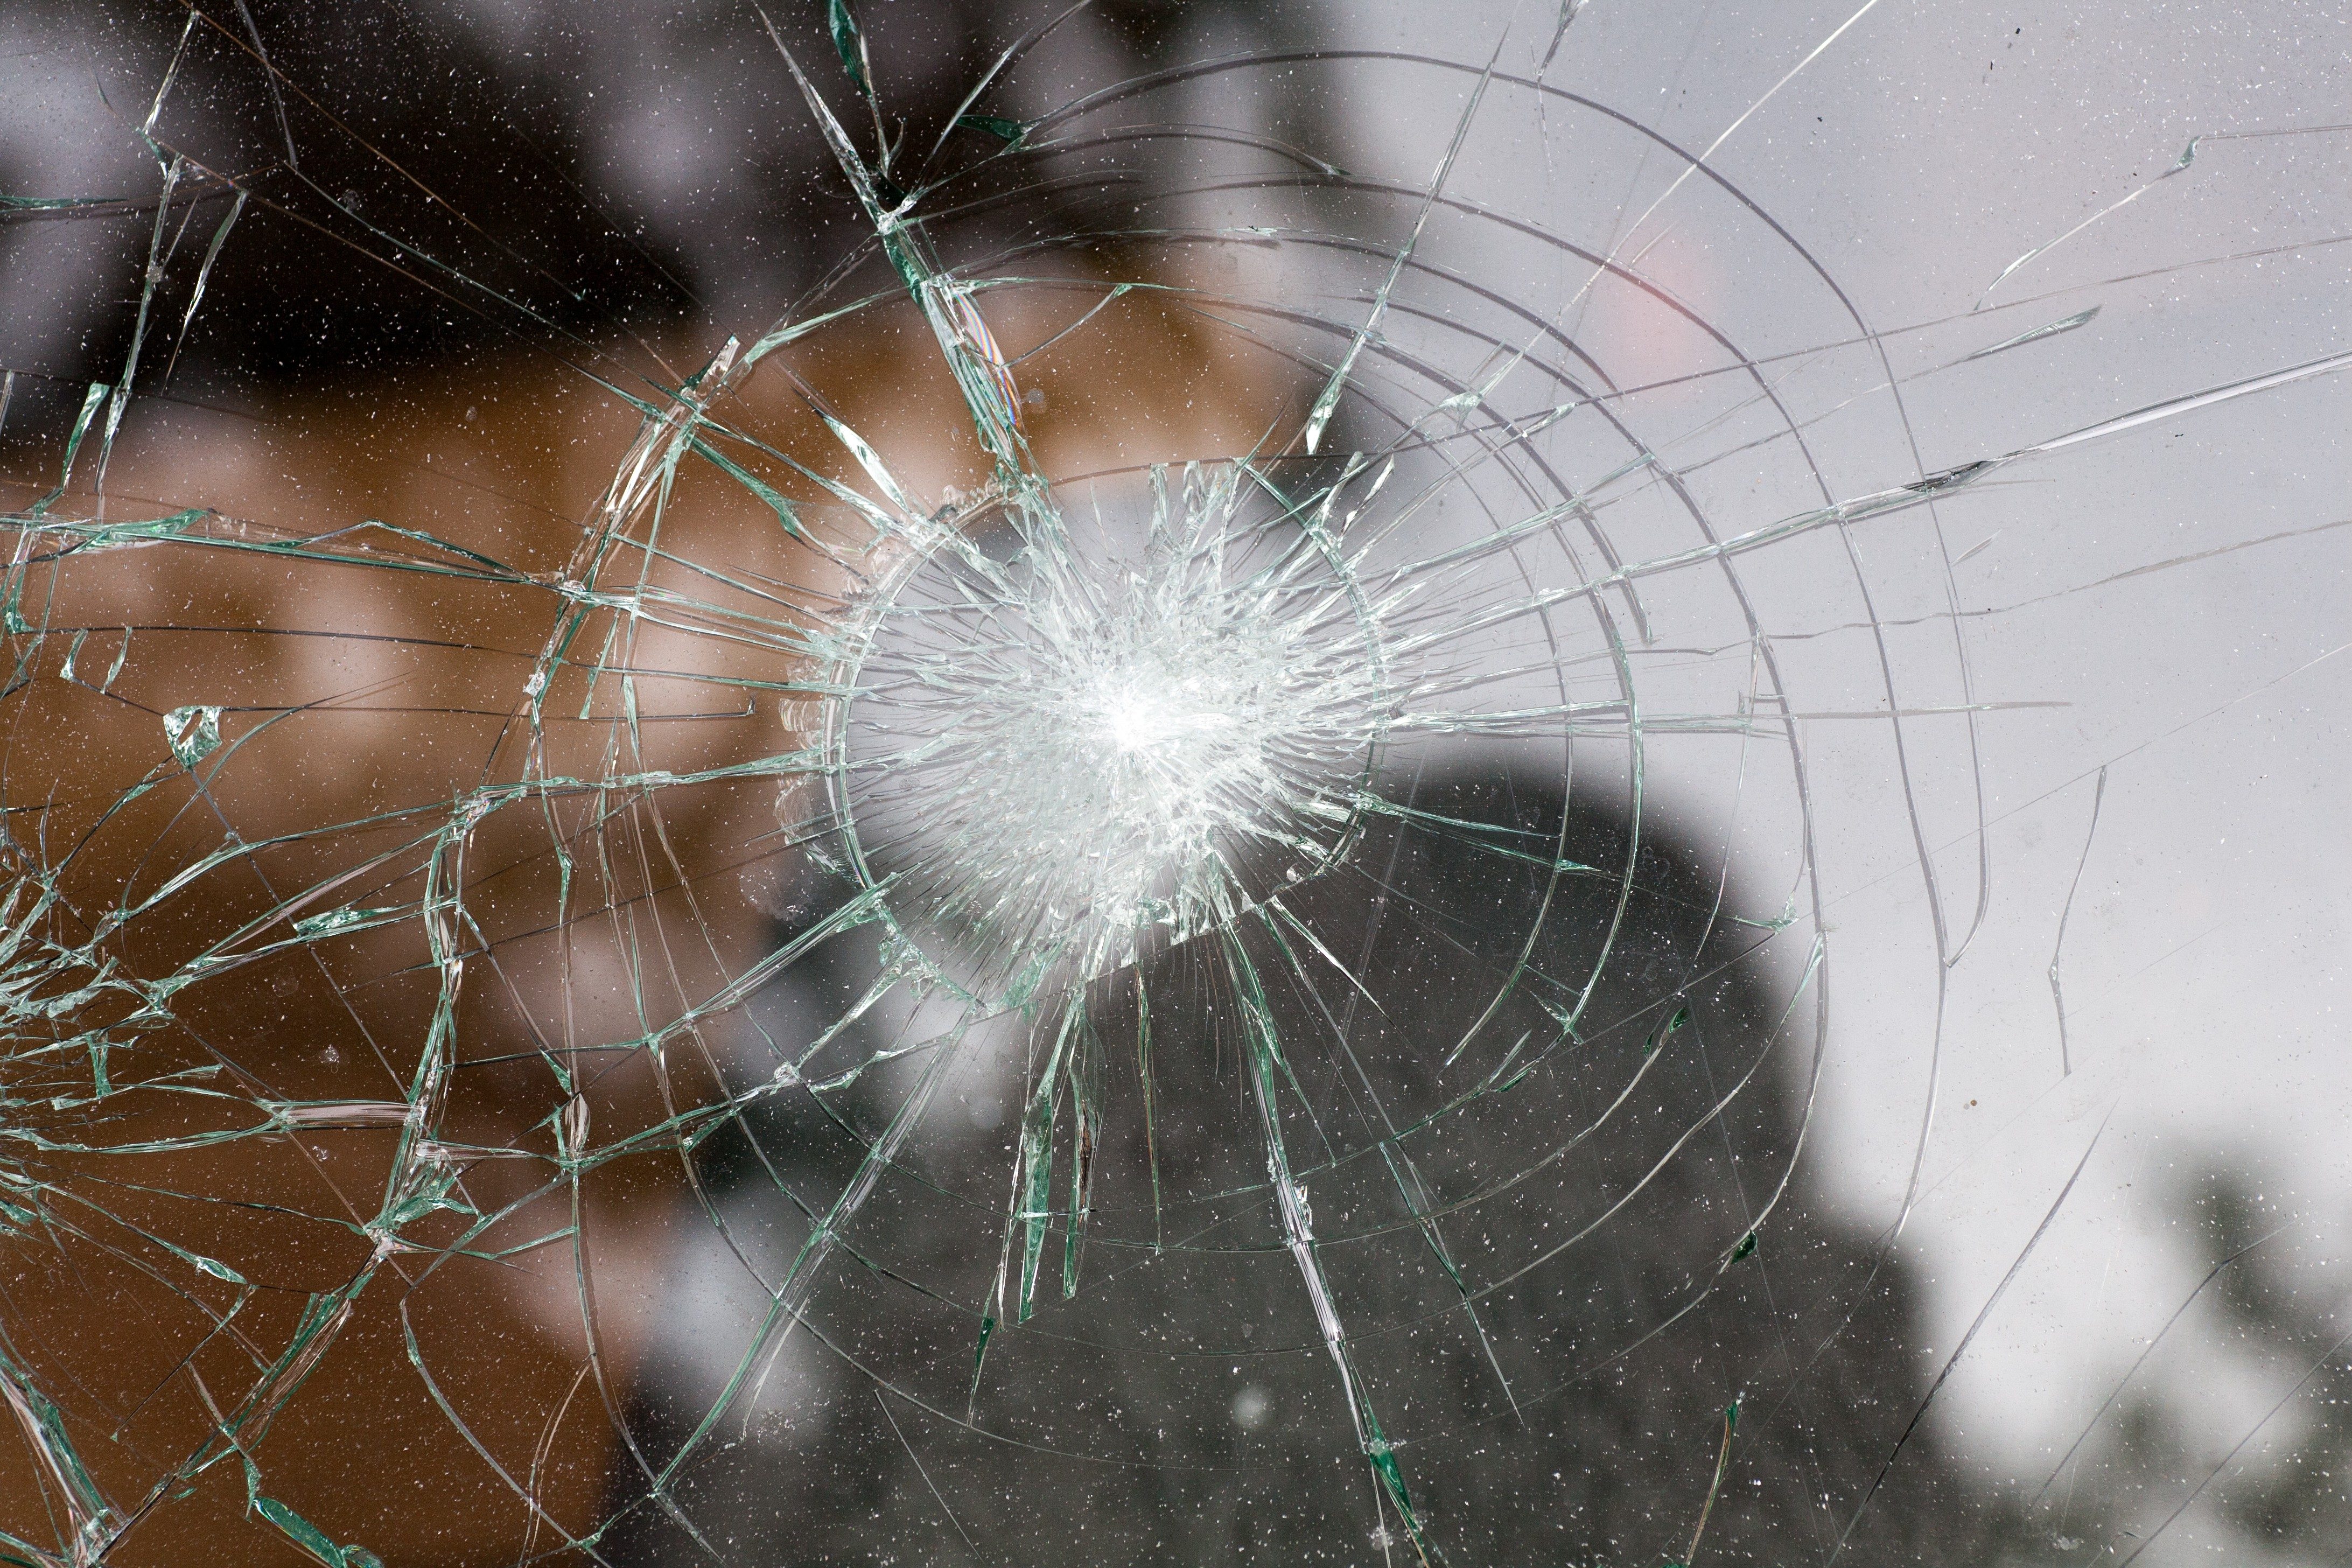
x,y
1183,848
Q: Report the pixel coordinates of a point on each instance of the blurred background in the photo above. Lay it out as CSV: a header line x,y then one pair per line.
x,y
2070,1181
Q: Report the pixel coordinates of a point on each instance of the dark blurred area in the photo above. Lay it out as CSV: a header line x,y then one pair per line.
x,y
1178,1408
355,188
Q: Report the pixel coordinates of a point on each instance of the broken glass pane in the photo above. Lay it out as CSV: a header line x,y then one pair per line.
x,y
1149,784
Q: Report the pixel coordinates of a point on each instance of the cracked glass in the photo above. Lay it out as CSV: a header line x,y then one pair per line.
x,y
948,780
